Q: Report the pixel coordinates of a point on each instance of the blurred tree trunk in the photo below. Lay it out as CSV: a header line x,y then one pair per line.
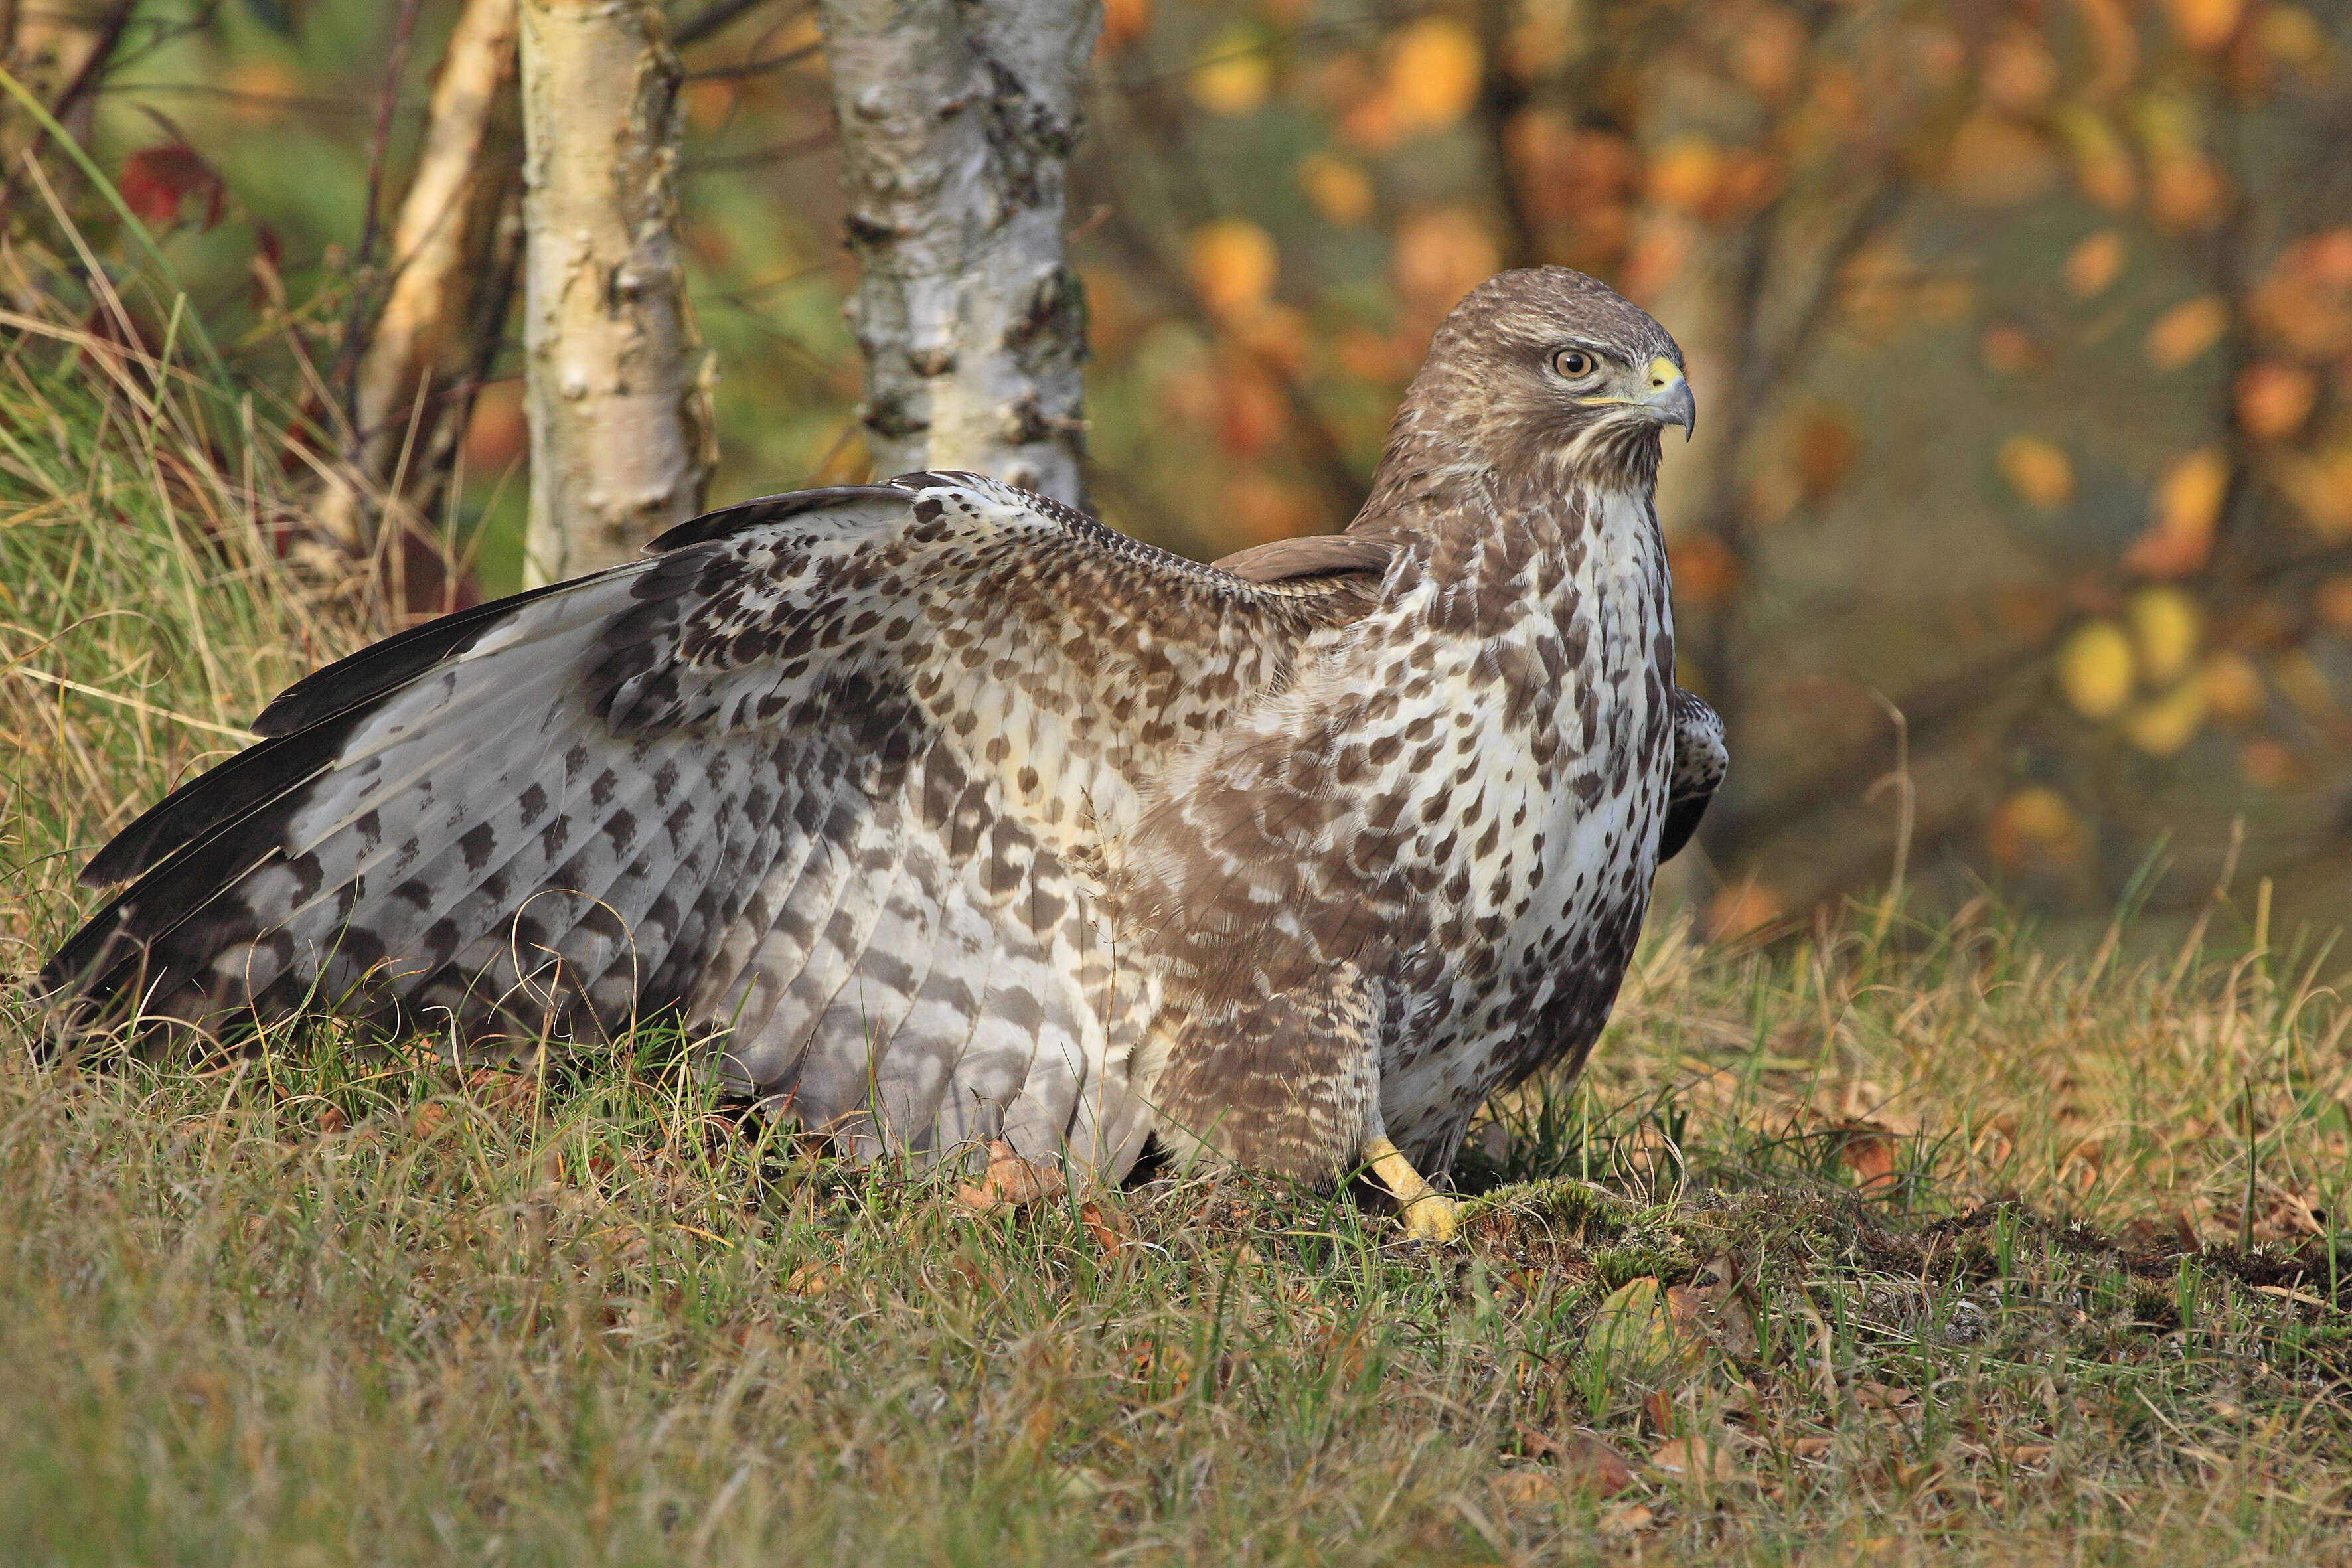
x,y
438,241
956,123
453,257
60,53
621,436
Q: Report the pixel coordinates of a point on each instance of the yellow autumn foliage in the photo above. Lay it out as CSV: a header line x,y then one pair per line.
x,y
2092,267
2274,399
1124,21
1685,174
1336,188
2038,471
2188,503
2234,686
2095,670
1234,74
2105,169
2291,33
2165,626
2205,25
2321,488
1433,73
1232,263
2186,330
2162,725
2035,827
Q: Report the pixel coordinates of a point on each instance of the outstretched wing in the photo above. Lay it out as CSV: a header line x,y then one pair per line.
x,y
828,770
1701,760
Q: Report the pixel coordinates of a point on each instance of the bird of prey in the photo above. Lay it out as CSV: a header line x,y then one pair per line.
x,y
942,813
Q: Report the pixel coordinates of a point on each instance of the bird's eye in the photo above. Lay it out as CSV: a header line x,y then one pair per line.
x,y
1573,364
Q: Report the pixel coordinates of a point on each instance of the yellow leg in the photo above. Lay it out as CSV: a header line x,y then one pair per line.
x,y
1429,1215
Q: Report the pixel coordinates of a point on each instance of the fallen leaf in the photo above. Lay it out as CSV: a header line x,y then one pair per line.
x,y
1627,1519
1715,1311
1584,1462
1101,1228
1635,1325
501,1093
1010,1181
1080,1485
2026,1453
1812,1448
1883,1396
1869,1153
1695,1458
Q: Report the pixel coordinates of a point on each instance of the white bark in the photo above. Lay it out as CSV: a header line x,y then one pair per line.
x,y
617,391
957,121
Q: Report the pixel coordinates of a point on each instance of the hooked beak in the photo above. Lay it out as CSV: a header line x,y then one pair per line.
x,y
1670,400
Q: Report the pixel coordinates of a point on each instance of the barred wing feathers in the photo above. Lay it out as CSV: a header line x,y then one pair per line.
x,y
831,772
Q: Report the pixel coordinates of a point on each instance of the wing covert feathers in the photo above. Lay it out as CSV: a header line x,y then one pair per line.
x,y
1315,556
830,770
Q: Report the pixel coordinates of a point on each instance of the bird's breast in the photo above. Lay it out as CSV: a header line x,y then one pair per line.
x,y
1536,837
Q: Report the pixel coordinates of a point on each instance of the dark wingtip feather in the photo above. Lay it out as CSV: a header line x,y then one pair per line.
x,y
1682,821
253,778
382,667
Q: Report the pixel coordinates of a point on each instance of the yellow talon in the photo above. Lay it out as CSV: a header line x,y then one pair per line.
x,y
1429,1215
1433,1217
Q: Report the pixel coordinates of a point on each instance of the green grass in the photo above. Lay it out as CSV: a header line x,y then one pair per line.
x,y
1955,1248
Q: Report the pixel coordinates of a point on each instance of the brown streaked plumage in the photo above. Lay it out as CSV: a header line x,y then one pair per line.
x,y
946,813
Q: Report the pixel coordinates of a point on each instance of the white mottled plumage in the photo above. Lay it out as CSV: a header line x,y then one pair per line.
x,y
945,813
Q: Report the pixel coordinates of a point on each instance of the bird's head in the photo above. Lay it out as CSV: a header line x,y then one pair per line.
x,y
1546,372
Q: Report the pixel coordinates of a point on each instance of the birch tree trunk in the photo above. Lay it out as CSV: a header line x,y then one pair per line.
x,y
957,122
617,391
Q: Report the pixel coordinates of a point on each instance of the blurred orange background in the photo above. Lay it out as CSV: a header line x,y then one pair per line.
x,y
2018,527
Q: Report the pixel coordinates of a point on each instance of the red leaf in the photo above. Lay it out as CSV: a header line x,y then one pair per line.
x,y
157,179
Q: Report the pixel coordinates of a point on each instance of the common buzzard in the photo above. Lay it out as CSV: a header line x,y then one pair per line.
x,y
943,812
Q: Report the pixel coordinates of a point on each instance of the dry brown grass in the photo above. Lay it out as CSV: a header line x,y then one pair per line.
x,y
1908,1240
